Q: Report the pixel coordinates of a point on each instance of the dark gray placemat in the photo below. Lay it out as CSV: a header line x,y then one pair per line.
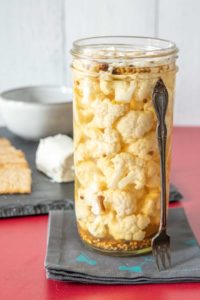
x,y
67,259
45,194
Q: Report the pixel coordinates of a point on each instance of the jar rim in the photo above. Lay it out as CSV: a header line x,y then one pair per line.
x,y
122,47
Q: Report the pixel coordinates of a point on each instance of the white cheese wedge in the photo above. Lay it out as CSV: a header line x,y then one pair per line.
x,y
54,157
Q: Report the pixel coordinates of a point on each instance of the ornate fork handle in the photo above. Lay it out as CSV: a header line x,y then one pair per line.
x,y
160,102
161,241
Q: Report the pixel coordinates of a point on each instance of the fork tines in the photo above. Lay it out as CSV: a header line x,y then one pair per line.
x,y
161,250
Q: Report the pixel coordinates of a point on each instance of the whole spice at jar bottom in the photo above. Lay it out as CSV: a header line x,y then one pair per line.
x,y
113,245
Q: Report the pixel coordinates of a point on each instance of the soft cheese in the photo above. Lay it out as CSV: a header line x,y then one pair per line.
x,y
54,157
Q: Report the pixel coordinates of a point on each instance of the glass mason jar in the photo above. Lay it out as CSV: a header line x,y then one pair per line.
x,y
117,166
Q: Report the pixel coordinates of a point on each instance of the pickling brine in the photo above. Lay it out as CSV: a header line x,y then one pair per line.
x,y
116,157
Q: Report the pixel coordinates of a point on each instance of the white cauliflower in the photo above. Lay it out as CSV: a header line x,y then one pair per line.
x,y
124,90
127,170
82,209
144,90
123,228
127,228
135,124
122,170
105,144
88,89
106,113
93,199
88,173
122,202
139,235
106,86
145,148
106,167
92,132
83,212
82,115
81,153
142,221
100,144
78,133
136,176
151,205
99,226
123,161
153,174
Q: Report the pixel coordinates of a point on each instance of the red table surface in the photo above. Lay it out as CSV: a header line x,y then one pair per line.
x,y
23,244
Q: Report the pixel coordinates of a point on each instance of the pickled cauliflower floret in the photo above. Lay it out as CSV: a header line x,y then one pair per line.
x,y
153,174
88,89
87,173
124,90
82,209
81,153
127,170
135,176
145,147
92,132
135,124
92,198
122,202
105,165
151,204
139,235
106,86
99,226
82,115
107,143
127,228
99,144
83,213
144,90
78,134
106,113
142,221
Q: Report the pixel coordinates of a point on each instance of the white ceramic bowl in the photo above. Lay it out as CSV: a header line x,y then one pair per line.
x,y
37,111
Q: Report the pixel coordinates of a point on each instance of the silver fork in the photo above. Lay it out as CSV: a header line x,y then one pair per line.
x,y
161,241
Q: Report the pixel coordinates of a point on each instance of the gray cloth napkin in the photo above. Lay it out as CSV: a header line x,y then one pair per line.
x,y
174,194
67,259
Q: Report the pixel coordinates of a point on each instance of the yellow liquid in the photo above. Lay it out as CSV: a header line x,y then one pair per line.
x,y
117,186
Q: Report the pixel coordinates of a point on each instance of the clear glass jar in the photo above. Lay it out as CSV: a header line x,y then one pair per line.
x,y
117,167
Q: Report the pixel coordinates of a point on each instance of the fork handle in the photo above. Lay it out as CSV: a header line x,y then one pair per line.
x,y
160,102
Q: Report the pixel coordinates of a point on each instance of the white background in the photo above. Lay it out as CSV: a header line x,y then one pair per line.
x,y
36,36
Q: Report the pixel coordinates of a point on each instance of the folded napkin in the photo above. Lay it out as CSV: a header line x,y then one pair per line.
x,y
174,194
67,259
